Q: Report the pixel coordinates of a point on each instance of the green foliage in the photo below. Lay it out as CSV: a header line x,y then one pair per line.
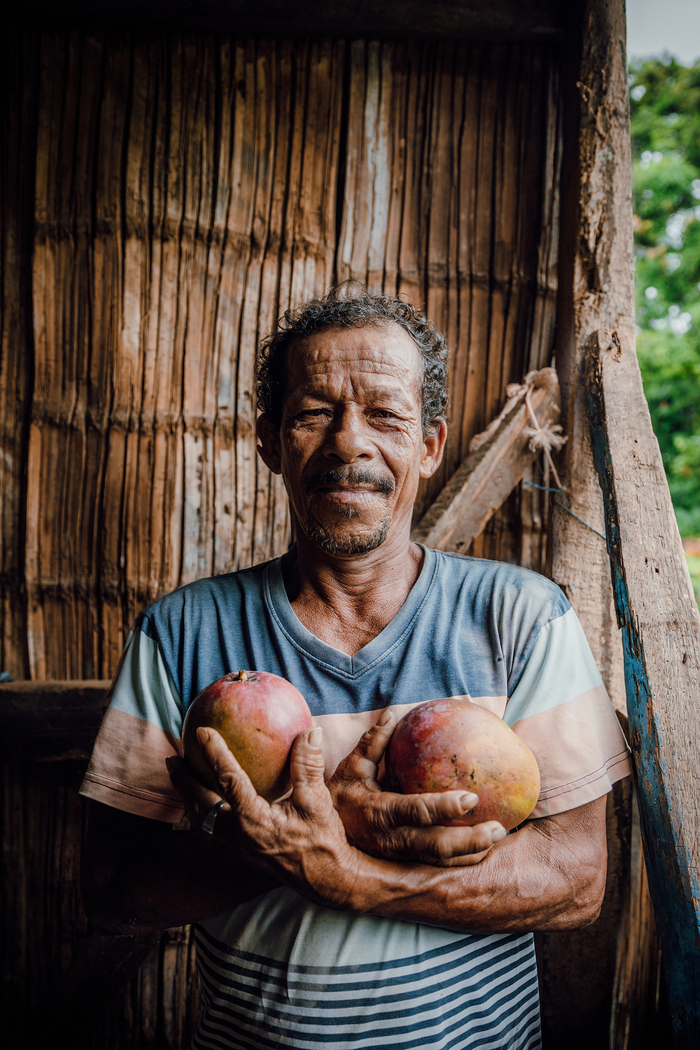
x,y
665,109
694,569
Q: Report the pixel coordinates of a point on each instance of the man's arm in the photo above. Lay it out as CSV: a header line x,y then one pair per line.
x,y
138,873
548,876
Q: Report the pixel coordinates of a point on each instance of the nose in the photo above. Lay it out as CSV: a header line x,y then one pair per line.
x,y
348,439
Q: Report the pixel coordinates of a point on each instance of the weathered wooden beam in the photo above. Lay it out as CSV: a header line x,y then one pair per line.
x,y
595,290
660,626
52,709
490,473
535,20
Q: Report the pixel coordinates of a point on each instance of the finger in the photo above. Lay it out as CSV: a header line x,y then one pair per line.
x,y
451,846
373,743
466,861
427,809
492,831
234,782
307,770
363,760
193,793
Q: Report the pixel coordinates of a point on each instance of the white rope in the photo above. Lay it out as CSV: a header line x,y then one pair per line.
x,y
544,438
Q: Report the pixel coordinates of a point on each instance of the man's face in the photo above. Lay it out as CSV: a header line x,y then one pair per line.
x,y
350,447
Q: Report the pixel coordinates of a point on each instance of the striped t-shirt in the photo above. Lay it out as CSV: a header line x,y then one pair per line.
x,y
279,971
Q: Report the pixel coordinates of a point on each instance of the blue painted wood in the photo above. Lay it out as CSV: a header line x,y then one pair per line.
x,y
672,882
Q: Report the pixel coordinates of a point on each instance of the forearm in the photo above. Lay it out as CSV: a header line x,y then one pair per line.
x,y
165,880
549,875
526,882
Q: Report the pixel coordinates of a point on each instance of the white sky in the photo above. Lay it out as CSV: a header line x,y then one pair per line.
x,y
654,26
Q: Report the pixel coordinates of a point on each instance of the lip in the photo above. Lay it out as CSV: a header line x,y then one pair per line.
x,y
339,487
346,492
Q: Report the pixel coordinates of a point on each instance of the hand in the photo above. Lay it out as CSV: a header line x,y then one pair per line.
x,y
198,799
403,827
299,840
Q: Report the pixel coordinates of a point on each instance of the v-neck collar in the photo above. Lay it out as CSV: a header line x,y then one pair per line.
x,y
326,655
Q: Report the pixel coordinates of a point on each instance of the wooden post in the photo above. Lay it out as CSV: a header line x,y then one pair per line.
x,y
660,625
596,290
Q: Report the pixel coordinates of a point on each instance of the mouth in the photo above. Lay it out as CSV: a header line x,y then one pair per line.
x,y
349,486
345,493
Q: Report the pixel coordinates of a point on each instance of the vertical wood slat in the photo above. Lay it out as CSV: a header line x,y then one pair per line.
x,y
18,86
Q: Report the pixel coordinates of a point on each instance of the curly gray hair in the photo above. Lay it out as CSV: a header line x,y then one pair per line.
x,y
350,305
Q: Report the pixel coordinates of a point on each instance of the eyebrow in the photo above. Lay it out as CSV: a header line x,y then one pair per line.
x,y
398,393
380,393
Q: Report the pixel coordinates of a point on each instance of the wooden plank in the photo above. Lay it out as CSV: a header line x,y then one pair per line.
x,y
506,19
596,289
490,473
578,967
51,708
639,1011
660,625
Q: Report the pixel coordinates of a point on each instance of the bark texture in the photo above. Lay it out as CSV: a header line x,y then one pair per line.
x,y
596,291
661,639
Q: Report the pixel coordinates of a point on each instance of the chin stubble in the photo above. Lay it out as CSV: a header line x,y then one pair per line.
x,y
331,544
357,544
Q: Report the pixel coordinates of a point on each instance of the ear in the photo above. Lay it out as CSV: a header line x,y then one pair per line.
x,y
433,449
269,447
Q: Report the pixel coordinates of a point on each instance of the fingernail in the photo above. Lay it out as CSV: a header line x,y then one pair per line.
x,y
315,737
385,717
497,834
202,735
469,801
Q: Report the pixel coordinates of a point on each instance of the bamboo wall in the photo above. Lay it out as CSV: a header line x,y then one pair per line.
x,y
163,201
185,192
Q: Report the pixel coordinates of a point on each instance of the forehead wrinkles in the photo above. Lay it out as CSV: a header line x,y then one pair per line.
x,y
356,358
358,371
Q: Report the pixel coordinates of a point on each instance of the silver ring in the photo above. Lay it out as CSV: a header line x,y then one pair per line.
x,y
210,819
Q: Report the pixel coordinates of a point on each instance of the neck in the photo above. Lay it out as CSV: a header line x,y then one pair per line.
x,y
347,600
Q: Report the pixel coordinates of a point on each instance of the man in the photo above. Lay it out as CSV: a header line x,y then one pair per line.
x,y
343,915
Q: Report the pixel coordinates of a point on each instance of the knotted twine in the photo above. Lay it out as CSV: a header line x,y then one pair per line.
x,y
542,438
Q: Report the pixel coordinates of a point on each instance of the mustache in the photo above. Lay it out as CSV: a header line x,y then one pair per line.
x,y
350,476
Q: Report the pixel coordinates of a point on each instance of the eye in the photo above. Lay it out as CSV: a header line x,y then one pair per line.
x,y
313,413
383,415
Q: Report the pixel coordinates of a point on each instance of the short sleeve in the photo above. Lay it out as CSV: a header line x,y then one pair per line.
x,y
560,708
141,727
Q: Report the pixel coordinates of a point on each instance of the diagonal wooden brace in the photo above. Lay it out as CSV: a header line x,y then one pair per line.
x,y
492,470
